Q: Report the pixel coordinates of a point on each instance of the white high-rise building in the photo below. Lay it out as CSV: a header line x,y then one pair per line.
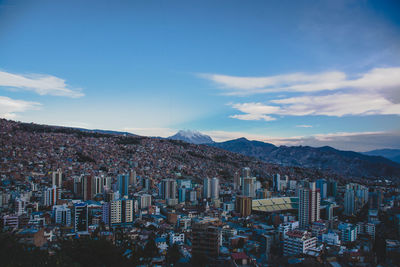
x,y
121,212
249,187
214,188
50,196
57,178
309,203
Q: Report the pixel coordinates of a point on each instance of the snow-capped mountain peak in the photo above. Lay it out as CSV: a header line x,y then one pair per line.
x,y
190,136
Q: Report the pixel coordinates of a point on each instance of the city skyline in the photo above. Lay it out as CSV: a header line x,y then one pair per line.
x,y
304,73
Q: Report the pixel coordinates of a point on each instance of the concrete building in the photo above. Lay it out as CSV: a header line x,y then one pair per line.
x,y
81,221
284,228
123,184
214,188
206,240
57,178
349,202
168,189
276,182
206,188
298,242
309,203
243,205
348,232
249,187
62,215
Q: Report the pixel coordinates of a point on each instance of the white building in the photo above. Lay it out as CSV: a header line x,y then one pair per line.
x,y
286,227
176,238
121,211
298,242
331,238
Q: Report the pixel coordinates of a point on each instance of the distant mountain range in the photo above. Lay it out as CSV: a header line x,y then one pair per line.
x,y
193,137
392,154
325,158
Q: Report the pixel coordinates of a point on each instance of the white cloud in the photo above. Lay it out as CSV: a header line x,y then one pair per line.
x,y
9,107
376,92
378,79
40,84
304,126
339,104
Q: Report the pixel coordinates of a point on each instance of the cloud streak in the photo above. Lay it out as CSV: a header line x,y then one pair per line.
x,y
376,92
9,107
376,79
38,83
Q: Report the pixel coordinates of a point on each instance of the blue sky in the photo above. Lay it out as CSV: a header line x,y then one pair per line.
x,y
286,72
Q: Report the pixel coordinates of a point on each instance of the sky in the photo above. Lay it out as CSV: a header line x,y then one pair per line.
x,y
286,72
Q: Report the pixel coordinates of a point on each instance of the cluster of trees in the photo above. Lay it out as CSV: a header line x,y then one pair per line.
x,y
79,253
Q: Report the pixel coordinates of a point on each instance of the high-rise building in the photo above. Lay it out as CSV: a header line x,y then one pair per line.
x,y
375,199
168,189
309,203
145,201
121,212
97,185
249,187
237,182
123,183
132,178
332,189
246,172
349,202
348,232
276,182
322,185
206,188
243,205
81,220
182,194
87,187
57,178
62,215
106,184
206,240
51,196
78,186
214,188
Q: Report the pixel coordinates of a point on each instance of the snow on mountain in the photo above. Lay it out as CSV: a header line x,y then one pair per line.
x,y
193,137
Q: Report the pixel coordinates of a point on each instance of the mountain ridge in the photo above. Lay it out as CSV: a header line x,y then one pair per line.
x,y
323,158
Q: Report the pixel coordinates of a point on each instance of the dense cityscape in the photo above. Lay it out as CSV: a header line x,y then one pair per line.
x,y
141,204
206,133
